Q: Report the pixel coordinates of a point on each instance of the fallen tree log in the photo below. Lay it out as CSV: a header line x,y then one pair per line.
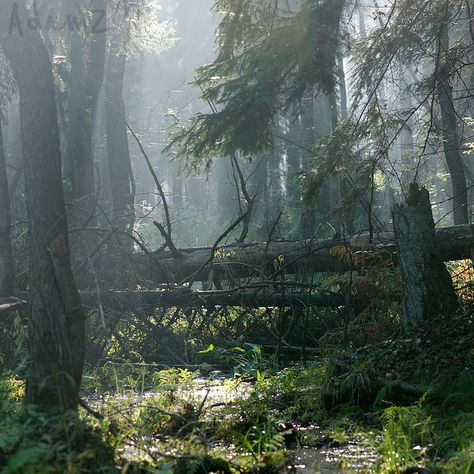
x,y
186,298
202,299
269,260
10,303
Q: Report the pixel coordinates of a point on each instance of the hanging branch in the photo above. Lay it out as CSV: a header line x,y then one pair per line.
x,y
273,229
214,249
248,199
166,233
168,242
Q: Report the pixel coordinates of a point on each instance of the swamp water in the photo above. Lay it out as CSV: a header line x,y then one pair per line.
x,y
212,395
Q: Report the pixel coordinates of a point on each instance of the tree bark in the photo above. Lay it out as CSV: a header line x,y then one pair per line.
x,y
56,323
427,286
6,258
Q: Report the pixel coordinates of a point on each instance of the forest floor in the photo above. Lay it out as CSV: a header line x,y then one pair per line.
x,y
402,405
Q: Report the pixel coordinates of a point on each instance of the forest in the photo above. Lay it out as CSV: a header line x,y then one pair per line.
x,y
236,236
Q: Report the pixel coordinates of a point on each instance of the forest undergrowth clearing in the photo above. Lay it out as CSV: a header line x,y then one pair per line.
x,y
393,406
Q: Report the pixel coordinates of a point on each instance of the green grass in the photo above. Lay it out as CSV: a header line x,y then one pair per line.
x,y
437,432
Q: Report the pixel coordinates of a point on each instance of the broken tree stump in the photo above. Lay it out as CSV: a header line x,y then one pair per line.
x,y
427,284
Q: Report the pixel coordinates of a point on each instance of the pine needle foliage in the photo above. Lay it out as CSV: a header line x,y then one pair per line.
x,y
269,56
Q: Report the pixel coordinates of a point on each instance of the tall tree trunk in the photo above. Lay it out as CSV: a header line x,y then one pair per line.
x,y
347,214
333,178
451,139
293,152
407,141
227,205
12,143
342,87
176,186
120,167
6,259
308,139
427,286
83,87
257,187
319,118
7,342
56,324
78,163
85,80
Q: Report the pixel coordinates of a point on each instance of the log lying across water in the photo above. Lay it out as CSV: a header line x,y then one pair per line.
x,y
268,259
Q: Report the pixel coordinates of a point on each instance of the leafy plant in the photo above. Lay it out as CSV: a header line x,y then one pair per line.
x,y
348,382
246,361
263,439
406,436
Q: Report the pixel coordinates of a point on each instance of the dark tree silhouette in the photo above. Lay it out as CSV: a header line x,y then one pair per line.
x,y
6,260
56,323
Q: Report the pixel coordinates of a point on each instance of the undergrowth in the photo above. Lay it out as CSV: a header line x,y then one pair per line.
x,y
409,401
